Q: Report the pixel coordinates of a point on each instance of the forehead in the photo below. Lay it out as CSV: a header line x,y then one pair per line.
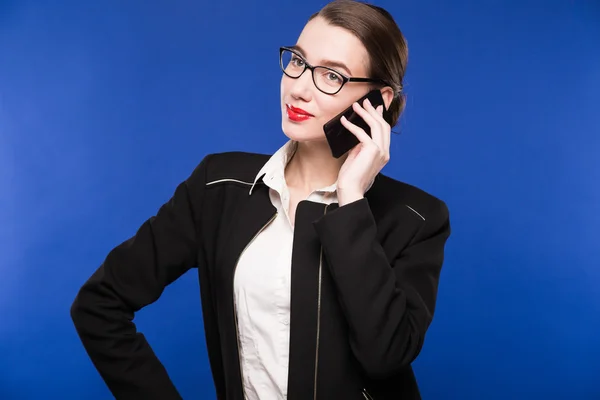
x,y
323,42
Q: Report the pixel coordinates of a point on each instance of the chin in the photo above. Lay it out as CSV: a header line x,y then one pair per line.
x,y
302,132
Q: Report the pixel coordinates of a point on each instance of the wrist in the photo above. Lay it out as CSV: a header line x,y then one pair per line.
x,y
347,197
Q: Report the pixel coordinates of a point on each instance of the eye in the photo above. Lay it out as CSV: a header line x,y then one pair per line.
x,y
333,77
297,61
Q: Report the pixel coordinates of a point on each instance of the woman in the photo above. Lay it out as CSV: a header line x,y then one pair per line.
x,y
318,275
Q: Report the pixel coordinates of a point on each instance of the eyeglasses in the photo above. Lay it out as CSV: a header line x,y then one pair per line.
x,y
327,80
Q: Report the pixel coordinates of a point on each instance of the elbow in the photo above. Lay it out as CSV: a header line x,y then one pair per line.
x,y
78,310
98,313
83,320
94,304
91,309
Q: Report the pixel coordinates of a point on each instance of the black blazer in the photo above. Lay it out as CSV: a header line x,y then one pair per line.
x,y
363,291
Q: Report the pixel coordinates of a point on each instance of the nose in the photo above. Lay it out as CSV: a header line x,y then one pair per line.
x,y
301,87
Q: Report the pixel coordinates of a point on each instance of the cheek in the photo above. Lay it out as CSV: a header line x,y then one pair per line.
x,y
329,107
285,86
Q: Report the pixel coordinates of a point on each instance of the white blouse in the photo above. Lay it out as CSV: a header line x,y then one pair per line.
x,y
262,288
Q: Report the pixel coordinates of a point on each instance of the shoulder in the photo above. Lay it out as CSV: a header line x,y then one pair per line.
x,y
391,195
228,166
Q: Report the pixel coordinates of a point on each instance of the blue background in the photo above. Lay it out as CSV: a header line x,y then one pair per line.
x,y
106,106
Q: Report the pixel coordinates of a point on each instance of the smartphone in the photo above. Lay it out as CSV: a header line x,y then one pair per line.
x,y
340,139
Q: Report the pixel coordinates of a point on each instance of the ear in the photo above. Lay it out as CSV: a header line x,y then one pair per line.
x,y
388,95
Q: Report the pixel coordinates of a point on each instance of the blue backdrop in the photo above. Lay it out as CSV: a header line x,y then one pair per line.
x,y
106,106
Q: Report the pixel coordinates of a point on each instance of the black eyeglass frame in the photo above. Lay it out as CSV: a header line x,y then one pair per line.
x,y
345,78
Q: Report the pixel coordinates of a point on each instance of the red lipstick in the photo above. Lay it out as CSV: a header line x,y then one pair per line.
x,y
297,114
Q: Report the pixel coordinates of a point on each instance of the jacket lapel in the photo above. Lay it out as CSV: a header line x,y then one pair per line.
x,y
306,276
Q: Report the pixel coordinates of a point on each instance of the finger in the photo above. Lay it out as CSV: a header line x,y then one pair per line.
x,y
372,122
388,135
373,111
378,117
357,131
381,136
377,113
364,111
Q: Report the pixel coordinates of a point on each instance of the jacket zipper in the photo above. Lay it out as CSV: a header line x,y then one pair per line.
x,y
366,395
318,318
237,333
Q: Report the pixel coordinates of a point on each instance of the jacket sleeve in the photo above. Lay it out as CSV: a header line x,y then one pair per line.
x,y
132,276
388,304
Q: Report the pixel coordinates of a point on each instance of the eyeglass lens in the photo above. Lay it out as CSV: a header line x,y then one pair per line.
x,y
325,79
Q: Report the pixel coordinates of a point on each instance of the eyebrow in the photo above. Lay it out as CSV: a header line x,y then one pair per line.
x,y
325,63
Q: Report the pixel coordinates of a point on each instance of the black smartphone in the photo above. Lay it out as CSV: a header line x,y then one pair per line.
x,y
340,139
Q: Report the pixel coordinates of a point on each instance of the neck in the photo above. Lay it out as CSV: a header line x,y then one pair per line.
x,y
312,167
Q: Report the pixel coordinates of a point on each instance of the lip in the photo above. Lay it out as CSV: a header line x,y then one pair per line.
x,y
297,114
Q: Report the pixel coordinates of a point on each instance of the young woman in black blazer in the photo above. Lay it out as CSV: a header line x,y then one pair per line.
x,y
318,275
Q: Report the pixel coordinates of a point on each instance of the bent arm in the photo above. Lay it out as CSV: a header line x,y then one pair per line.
x,y
134,275
388,305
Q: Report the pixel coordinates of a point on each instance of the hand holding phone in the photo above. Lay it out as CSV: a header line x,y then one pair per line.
x,y
340,139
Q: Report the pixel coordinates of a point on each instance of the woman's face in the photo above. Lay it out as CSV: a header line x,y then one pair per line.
x,y
322,44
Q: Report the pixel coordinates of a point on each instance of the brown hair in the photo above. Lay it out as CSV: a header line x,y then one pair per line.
x,y
381,36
